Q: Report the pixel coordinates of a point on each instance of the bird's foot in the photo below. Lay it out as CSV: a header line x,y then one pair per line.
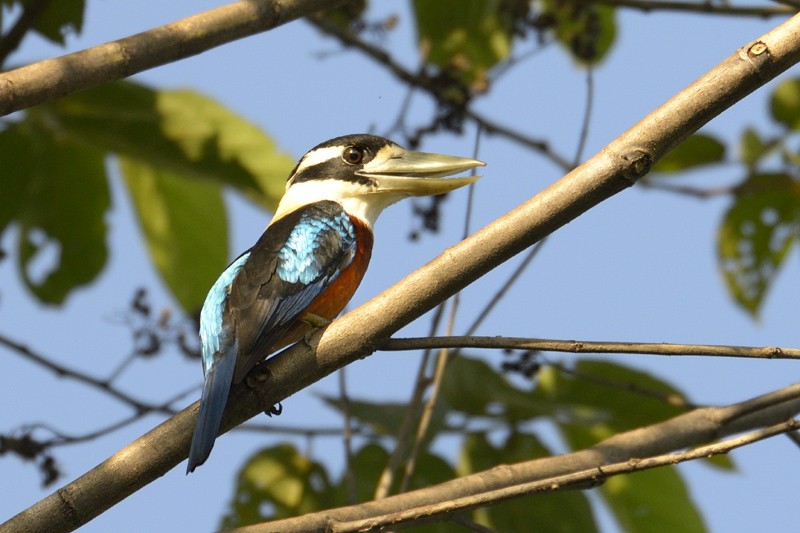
x,y
314,320
260,374
276,410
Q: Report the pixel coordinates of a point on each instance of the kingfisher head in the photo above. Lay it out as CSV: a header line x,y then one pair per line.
x,y
366,173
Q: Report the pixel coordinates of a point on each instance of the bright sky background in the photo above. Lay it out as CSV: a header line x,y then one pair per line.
x,y
641,267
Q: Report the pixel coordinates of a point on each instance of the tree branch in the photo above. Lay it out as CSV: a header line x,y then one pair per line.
x,y
139,406
53,78
572,346
359,332
632,451
704,7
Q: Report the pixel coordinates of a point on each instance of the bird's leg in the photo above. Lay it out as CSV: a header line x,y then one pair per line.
x,y
316,322
260,374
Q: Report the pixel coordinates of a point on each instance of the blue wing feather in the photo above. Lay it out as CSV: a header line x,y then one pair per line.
x,y
219,351
259,297
317,244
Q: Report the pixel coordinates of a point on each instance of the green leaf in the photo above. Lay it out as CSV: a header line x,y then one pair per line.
x,y
62,226
565,511
183,220
785,103
586,30
752,148
475,388
653,501
598,399
278,482
367,465
178,131
467,36
697,150
756,235
384,418
60,19
723,462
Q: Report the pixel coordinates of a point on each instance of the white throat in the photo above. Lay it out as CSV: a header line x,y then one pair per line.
x,y
355,198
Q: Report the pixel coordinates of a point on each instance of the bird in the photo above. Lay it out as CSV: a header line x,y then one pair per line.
x,y
309,260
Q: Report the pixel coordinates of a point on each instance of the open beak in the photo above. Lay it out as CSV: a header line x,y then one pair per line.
x,y
418,173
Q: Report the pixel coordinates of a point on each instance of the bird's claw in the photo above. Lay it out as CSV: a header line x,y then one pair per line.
x,y
276,410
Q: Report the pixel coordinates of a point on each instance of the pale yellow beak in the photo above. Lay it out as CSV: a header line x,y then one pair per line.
x,y
418,173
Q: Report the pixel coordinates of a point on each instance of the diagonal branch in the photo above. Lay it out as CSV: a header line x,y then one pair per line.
x,y
631,451
573,346
361,331
46,80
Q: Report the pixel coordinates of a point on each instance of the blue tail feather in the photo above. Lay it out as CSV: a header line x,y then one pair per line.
x,y
217,385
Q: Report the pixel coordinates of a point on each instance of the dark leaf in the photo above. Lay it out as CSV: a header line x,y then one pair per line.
x,y
467,36
59,19
598,399
697,150
586,30
785,103
567,511
57,192
752,148
368,464
278,482
475,388
654,501
384,418
755,236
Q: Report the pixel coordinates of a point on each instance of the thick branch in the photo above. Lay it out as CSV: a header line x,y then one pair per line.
x,y
638,449
358,333
551,345
53,78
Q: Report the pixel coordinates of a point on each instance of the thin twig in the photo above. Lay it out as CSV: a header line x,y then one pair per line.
x,y
703,8
63,371
425,83
444,355
587,116
687,190
501,292
410,416
575,346
347,439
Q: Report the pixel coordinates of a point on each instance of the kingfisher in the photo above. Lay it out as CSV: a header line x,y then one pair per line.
x,y
309,261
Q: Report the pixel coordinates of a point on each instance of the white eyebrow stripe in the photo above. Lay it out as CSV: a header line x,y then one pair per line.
x,y
320,155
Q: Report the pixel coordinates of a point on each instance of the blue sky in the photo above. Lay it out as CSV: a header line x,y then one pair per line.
x,y
640,267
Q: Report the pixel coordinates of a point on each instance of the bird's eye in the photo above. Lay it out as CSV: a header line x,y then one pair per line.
x,y
353,155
